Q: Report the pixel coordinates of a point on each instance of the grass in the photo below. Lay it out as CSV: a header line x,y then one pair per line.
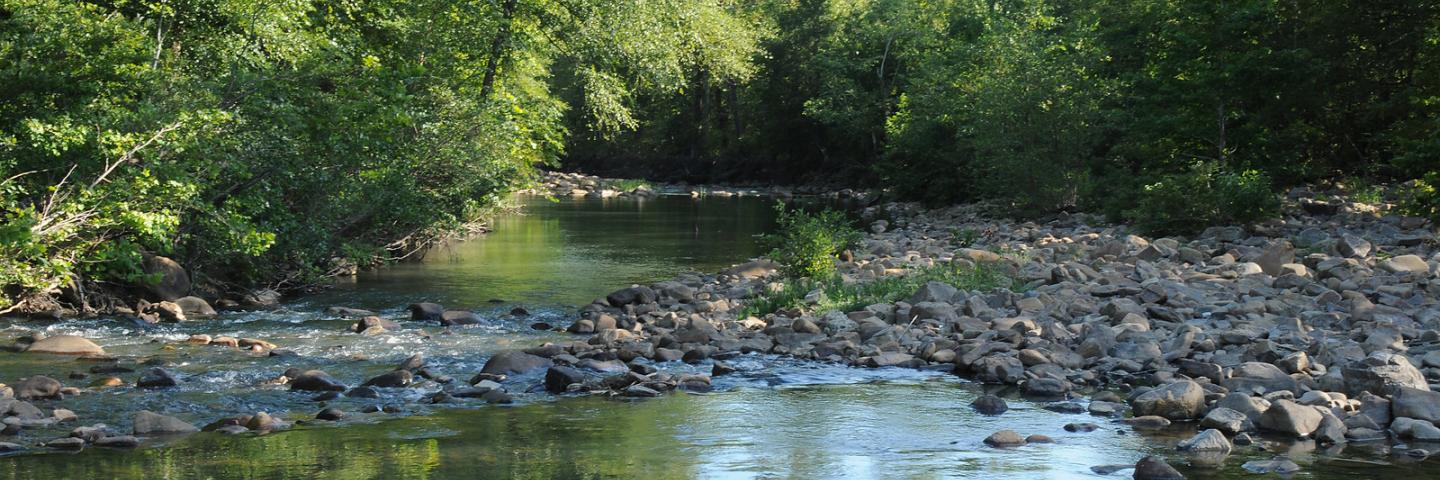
x,y
628,184
855,296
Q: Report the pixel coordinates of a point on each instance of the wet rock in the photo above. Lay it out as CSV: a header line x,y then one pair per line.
x,y
888,359
331,414
195,307
1331,431
349,312
262,298
1038,438
1182,400
1005,438
150,423
1210,440
1046,387
37,387
118,441
721,368
1155,468
1147,422
559,378
7,447
1291,418
316,381
515,362
1081,427
371,325
412,363
426,311
497,397
1278,465
395,379
66,345
459,317
362,392
157,378
990,405
640,391
261,421
66,443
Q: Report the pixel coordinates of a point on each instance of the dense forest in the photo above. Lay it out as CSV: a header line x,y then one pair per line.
x,y
272,142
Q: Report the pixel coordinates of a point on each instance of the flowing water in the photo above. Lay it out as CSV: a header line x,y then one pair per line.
x,y
776,418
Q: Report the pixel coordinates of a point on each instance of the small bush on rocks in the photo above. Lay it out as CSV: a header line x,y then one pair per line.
x,y
1206,194
838,295
807,243
1420,198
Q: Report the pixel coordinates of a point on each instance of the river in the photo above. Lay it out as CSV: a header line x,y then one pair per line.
x,y
775,418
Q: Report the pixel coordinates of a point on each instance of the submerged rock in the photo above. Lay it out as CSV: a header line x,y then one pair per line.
x,y
150,423
65,345
317,381
514,362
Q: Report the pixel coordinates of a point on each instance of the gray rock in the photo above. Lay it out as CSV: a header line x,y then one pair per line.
x,y
426,311
559,378
1210,440
1416,403
632,296
1258,376
150,423
195,307
118,441
316,381
1351,246
1291,418
1382,373
990,405
174,281
37,387
515,362
157,378
1406,264
395,379
1227,421
1280,465
459,317
1182,400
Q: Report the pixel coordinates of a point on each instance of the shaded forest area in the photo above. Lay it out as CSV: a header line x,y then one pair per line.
x,y
275,142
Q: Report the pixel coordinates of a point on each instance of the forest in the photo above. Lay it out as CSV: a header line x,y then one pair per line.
x,y
274,142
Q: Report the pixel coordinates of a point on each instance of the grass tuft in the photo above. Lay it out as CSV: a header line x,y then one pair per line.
x,y
855,296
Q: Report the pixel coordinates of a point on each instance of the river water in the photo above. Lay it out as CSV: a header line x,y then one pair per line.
x,y
776,418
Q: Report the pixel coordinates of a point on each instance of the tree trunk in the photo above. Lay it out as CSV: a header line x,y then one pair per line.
x,y
497,48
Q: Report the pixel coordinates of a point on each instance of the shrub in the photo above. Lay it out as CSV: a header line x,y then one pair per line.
x,y
1204,195
848,297
1420,198
807,243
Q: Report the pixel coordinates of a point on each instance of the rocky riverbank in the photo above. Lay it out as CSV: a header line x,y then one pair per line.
x,y
563,184
1319,327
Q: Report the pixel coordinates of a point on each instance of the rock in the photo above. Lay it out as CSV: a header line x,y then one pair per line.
x,y
639,295
990,405
939,292
1351,246
1081,427
1147,422
1416,403
373,325
66,443
1412,264
363,392
1275,256
412,363
195,307
65,345
1280,465
752,270
118,441
316,381
1038,438
395,379
1381,373
1046,387
331,414
157,378
1182,400
559,378
426,311
1331,431
515,362
37,387
1291,418
349,312
1155,468
174,281
459,317
1226,421
1258,376
888,359
641,391
150,423
261,421
262,298
1005,438
1210,440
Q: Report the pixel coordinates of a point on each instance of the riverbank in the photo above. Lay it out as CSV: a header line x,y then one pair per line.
x,y
1321,326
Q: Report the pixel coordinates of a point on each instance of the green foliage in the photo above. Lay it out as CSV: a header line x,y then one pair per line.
x,y
848,297
256,140
1421,198
808,243
628,184
1204,195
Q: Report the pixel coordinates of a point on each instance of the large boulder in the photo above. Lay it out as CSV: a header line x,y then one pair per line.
x,y
559,378
514,362
395,379
174,281
1256,376
1210,440
459,317
65,345
1005,438
150,423
1182,400
1406,264
1226,420
1155,468
426,311
1291,418
1382,373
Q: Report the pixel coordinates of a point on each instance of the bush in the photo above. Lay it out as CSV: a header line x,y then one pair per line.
x,y
849,297
1420,198
1205,195
807,243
